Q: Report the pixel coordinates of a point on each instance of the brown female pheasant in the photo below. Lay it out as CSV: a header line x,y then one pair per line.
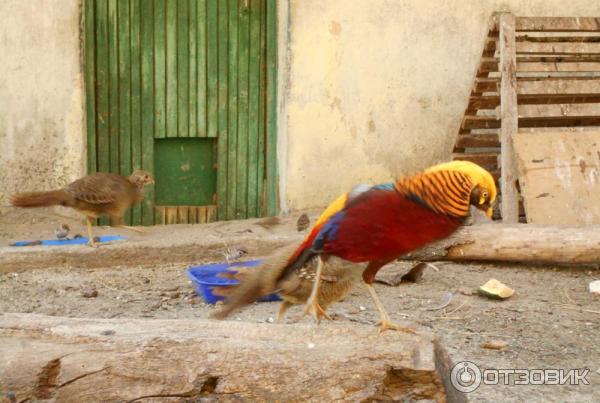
x,y
95,195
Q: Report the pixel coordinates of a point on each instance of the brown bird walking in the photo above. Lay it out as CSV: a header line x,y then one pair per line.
x,y
294,287
95,195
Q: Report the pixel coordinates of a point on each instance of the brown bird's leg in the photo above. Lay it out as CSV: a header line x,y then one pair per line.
x,y
312,304
91,241
282,310
322,313
119,221
384,319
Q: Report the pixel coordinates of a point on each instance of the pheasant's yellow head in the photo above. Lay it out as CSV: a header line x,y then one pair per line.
x,y
483,191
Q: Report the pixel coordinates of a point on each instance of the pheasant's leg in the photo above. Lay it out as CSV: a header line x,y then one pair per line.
x,y
282,310
384,321
91,241
138,230
312,304
120,224
322,313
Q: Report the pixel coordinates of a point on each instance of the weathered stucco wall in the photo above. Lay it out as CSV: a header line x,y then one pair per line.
x,y
41,95
377,88
370,89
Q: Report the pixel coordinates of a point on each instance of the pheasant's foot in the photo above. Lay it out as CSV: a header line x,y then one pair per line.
x,y
386,324
313,308
138,230
322,314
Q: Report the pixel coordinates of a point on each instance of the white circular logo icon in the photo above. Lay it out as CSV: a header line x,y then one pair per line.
x,y
465,376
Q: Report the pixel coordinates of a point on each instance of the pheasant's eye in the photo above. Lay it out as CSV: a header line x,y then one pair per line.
x,y
484,194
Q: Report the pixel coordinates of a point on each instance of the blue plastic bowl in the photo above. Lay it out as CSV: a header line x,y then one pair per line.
x,y
205,279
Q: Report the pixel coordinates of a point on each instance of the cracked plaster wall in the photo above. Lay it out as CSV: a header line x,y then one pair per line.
x,y
42,136
377,88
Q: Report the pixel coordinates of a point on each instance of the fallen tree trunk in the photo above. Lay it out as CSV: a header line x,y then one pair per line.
x,y
79,360
526,243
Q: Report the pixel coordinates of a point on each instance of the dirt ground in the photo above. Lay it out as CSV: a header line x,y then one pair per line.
x,y
550,322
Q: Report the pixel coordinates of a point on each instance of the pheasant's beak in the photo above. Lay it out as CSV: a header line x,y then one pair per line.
x,y
489,212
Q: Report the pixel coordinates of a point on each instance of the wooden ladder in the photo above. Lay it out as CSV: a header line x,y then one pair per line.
x,y
534,73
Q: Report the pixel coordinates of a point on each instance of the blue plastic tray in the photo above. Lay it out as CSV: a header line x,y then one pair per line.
x,y
74,241
205,279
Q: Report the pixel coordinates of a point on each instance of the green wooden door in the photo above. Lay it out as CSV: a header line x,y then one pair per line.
x,y
185,89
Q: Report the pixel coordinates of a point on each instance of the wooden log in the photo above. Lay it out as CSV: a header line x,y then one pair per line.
x,y
130,360
524,243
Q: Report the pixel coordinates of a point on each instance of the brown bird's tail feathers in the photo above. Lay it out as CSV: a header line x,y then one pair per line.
x,y
39,199
262,281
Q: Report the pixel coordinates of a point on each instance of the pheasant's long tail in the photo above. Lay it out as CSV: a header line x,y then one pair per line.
x,y
262,281
40,199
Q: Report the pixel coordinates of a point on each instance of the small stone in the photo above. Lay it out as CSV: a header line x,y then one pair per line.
x,y
310,345
107,332
594,287
89,293
362,308
145,280
270,320
494,345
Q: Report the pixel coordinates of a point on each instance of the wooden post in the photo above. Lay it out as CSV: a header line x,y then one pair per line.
x,y
509,117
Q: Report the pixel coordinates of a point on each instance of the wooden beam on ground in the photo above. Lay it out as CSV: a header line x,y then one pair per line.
x,y
509,117
518,243
129,360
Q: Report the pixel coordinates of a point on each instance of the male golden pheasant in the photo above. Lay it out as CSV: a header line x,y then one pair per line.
x,y
95,195
378,224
